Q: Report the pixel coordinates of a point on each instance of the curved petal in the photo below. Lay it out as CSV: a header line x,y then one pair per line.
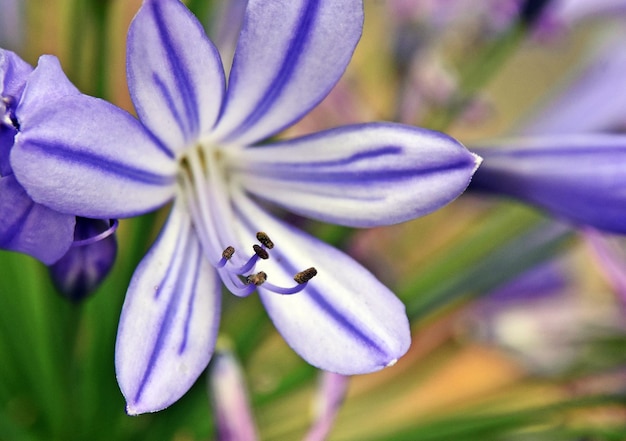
x,y
363,175
175,75
31,228
46,84
169,321
289,56
577,177
345,320
13,74
84,156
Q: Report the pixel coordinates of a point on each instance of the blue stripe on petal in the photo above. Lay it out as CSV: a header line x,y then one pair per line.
x,y
289,55
175,75
350,326
169,320
84,156
101,164
184,84
344,320
403,172
289,64
178,267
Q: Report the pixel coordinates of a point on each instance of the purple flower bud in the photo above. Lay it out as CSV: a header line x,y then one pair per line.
x,y
88,261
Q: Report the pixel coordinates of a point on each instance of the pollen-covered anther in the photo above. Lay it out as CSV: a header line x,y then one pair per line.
x,y
260,252
257,279
228,252
305,276
265,240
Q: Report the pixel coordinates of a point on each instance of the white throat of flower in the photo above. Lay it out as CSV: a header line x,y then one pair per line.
x,y
203,182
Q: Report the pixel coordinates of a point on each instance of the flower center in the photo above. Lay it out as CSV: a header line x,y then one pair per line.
x,y
205,187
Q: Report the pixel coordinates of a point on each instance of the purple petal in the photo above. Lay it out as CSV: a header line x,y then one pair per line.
x,y
592,86
84,156
363,175
31,228
169,321
330,396
345,320
577,177
46,84
570,12
13,74
231,404
289,56
175,75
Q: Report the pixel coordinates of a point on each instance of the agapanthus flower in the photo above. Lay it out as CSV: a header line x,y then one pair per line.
x,y
196,143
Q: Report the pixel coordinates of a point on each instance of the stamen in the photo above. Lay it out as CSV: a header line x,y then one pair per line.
x,y
257,279
228,252
265,240
113,223
302,278
305,276
260,252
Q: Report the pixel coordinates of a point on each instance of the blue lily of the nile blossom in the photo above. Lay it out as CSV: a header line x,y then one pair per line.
x,y
579,178
79,252
196,143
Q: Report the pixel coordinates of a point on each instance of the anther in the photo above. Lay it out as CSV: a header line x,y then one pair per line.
x,y
228,252
260,252
265,240
305,276
257,279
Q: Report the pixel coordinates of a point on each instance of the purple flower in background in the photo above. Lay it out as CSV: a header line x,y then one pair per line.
x,y
197,143
597,83
25,225
579,178
11,23
233,413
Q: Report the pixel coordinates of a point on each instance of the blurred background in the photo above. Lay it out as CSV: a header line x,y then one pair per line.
x,y
517,317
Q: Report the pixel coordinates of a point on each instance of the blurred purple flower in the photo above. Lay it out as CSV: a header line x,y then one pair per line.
x,y
580,178
197,144
331,394
231,404
591,99
567,13
229,397
11,23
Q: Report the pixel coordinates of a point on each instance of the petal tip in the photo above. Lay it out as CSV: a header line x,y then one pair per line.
x,y
478,160
391,363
